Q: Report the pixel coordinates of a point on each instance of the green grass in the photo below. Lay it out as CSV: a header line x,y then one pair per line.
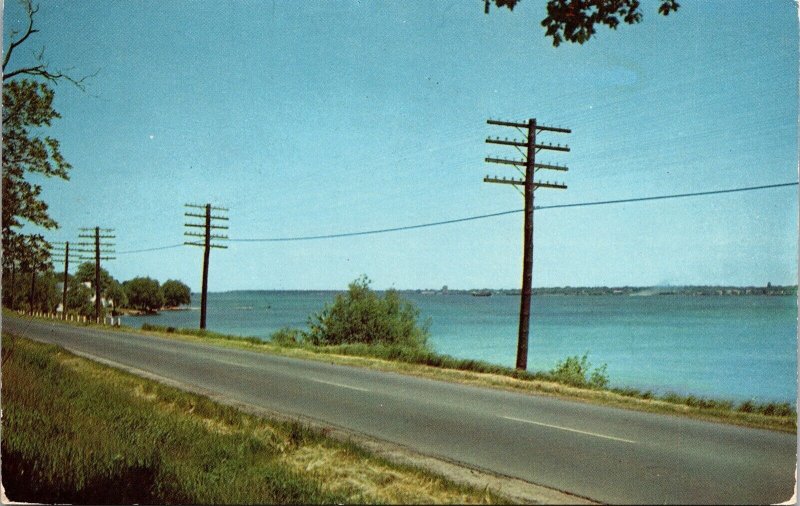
x,y
780,416
77,432
572,372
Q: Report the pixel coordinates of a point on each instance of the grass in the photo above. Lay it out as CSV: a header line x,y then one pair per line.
x,y
561,381
78,432
780,416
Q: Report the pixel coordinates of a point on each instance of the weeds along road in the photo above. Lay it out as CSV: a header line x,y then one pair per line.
x,y
606,454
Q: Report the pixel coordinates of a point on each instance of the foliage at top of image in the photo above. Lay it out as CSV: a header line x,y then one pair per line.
x,y
362,316
575,20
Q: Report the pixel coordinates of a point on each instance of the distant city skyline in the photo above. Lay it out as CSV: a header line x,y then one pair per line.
x,y
326,118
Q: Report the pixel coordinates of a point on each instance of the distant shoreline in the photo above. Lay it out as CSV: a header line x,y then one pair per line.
x,y
694,290
138,312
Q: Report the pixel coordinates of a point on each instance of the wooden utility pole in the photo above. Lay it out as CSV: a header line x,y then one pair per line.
x,y
37,259
100,252
33,286
10,255
528,163
208,225
65,258
13,282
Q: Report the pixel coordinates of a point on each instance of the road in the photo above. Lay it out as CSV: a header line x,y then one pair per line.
x,y
606,454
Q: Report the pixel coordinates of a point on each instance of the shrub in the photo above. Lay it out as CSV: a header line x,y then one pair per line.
x,y
575,371
777,409
362,316
287,337
747,407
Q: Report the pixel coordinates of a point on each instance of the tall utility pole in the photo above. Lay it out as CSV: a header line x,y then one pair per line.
x,y
528,163
208,225
65,258
101,251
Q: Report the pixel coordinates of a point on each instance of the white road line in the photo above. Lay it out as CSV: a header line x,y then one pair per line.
x,y
226,362
339,385
569,430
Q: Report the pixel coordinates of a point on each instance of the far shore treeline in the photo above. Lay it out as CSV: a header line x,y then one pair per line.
x,y
688,290
140,295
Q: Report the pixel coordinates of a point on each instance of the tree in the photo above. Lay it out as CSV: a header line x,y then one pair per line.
x,y
176,293
39,69
27,112
144,294
85,274
46,296
574,20
116,294
34,257
362,316
13,251
27,107
79,298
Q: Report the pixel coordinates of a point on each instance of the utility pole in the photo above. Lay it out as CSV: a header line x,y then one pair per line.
x,y
36,257
65,258
208,225
11,255
528,163
100,251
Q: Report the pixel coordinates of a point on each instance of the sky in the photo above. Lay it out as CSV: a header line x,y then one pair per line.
x,y
314,118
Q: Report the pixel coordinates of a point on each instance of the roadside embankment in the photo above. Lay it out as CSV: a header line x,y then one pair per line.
x,y
75,431
772,415
575,381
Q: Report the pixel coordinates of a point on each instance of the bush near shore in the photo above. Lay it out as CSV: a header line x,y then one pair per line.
x,y
78,432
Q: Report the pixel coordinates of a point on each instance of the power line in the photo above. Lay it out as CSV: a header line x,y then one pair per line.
x,y
149,249
672,196
492,215
378,231
478,217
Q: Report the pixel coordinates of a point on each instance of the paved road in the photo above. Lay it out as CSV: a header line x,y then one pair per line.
x,y
609,455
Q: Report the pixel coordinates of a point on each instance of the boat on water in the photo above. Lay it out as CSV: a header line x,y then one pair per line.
x,y
481,293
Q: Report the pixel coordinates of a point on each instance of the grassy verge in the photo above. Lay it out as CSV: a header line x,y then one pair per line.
x,y
772,416
75,431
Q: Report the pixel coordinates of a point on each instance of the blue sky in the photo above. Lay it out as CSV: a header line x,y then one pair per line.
x,y
308,118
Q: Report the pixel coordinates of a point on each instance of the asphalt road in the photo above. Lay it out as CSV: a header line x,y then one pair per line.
x,y
606,454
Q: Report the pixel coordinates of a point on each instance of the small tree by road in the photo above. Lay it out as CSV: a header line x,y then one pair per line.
x,y
116,296
144,294
85,274
176,293
79,298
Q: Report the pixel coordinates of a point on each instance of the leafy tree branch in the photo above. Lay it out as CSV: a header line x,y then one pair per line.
x,y
575,20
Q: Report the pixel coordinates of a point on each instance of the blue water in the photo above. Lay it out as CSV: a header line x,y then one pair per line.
x,y
734,348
